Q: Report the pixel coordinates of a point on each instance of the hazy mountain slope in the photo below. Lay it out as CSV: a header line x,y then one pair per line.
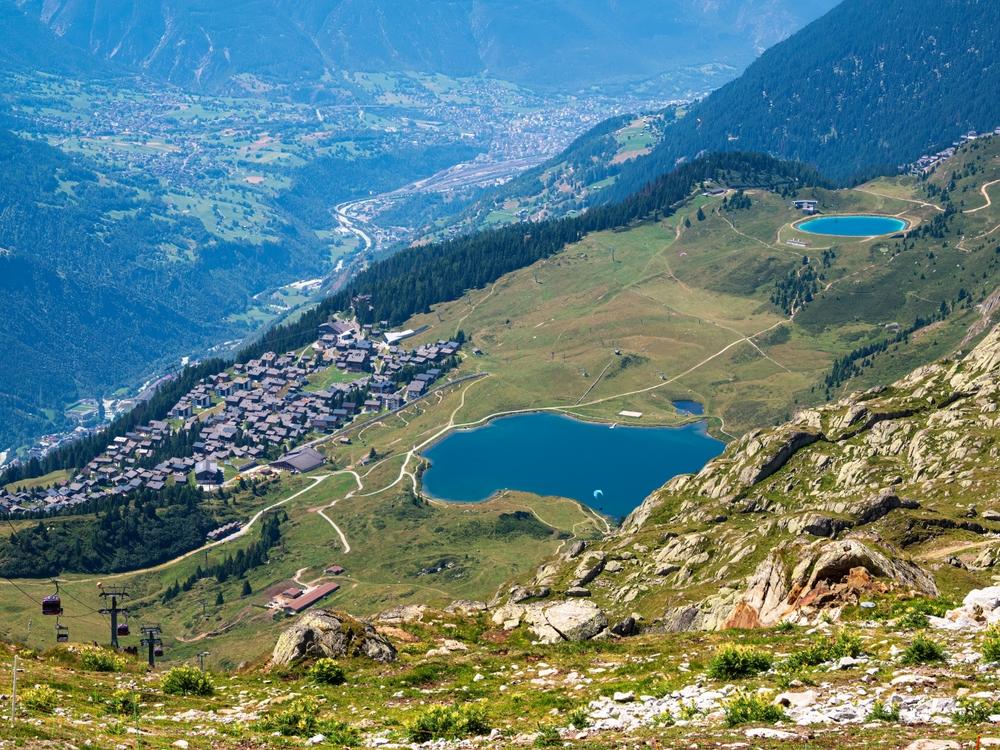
x,y
863,89
27,43
557,42
98,287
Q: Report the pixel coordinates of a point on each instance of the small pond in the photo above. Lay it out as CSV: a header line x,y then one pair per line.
x,y
853,226
611,469
689,407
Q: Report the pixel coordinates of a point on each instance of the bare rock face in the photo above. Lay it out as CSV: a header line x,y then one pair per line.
x,y
330,634
590,566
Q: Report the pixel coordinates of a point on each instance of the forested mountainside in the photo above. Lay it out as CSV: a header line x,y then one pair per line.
x,y
858,92
411,281
565,43
98,286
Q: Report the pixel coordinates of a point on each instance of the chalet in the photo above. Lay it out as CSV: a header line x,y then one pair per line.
x,y
416,389
334,570
357,360
807,206
207,473
181,410
324,423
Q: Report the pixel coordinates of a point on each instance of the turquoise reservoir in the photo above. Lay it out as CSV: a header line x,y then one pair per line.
x,y
610,469
853,226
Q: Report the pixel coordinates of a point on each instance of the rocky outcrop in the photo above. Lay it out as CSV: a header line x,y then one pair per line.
x,y
813,514
817,524
878,506
466,607
980,609
402,614
330,634
829,575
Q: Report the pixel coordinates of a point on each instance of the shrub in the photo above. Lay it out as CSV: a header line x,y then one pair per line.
x,y
187,680
298,719
841,645
96,659
991,645
548,737
448,723
975,711
881,712
327,672
747,708
923,651
40,698
734,662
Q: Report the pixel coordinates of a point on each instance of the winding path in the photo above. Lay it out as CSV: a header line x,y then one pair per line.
x,y
322,511
985,193
905,200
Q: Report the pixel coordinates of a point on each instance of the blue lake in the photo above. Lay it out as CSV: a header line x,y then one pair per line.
x,y
853,226
610,469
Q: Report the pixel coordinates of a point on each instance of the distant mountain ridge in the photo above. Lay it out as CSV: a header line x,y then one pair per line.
x,y
558,42
858,92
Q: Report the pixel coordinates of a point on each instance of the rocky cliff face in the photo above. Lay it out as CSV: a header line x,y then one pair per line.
x,y
876,492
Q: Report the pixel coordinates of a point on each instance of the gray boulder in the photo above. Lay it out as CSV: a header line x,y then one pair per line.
x,y
570,620
322,633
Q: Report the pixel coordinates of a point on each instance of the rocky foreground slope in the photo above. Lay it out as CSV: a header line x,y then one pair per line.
x,y
892,489
821,584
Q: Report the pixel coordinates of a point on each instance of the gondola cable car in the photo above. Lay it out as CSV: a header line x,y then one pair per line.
x,y
62,633
52,604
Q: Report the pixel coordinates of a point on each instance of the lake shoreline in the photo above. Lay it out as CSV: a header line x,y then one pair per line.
x,y
556,454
